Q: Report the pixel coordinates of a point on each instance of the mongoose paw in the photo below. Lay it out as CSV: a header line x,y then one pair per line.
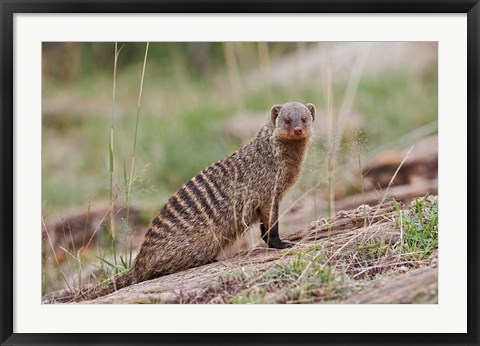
x,y
280,244
212,261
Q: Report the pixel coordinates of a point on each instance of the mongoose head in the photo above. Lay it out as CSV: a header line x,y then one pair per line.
x,y
293,121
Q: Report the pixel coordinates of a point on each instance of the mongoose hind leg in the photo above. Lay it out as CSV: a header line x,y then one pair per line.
x,y
169,251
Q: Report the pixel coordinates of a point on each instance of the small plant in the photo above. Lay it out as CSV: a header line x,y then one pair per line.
x,y
420,227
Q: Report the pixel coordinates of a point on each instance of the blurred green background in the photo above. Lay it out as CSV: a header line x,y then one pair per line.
x,y
203,100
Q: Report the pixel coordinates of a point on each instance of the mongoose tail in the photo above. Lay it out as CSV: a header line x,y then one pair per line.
x,y
122,281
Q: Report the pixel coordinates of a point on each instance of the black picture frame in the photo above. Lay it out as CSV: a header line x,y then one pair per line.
x,y
10,7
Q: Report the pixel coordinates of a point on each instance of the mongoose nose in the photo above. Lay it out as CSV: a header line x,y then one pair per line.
x,y
297,131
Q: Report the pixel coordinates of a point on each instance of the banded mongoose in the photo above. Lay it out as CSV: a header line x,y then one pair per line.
x,y
221,203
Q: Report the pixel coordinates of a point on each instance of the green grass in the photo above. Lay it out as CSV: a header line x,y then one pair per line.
x,y
420,227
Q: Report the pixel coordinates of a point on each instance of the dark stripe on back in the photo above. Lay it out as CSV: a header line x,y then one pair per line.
x,y
239,168
187,201
212,175
157,234
167,214
218,188
206,185
200,194
176,204
221,167
158,223
193,188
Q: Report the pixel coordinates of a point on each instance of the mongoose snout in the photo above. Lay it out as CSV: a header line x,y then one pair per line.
x,y
227,199
297,131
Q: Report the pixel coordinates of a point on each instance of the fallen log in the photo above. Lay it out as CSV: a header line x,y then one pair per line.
x,y
419,285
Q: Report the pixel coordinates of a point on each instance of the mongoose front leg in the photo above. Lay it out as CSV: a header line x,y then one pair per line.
x,y
272,238
269,229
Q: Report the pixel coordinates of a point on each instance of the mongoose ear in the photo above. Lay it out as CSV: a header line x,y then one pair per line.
x,y
274,112
311,108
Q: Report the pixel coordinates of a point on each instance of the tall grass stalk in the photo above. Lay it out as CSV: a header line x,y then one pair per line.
x,y
357,152
129,183
399,211
132,166
328,96
358,147
335,136
111,153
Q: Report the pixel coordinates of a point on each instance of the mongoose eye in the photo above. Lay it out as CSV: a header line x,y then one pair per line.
x,y
288,121
304,119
